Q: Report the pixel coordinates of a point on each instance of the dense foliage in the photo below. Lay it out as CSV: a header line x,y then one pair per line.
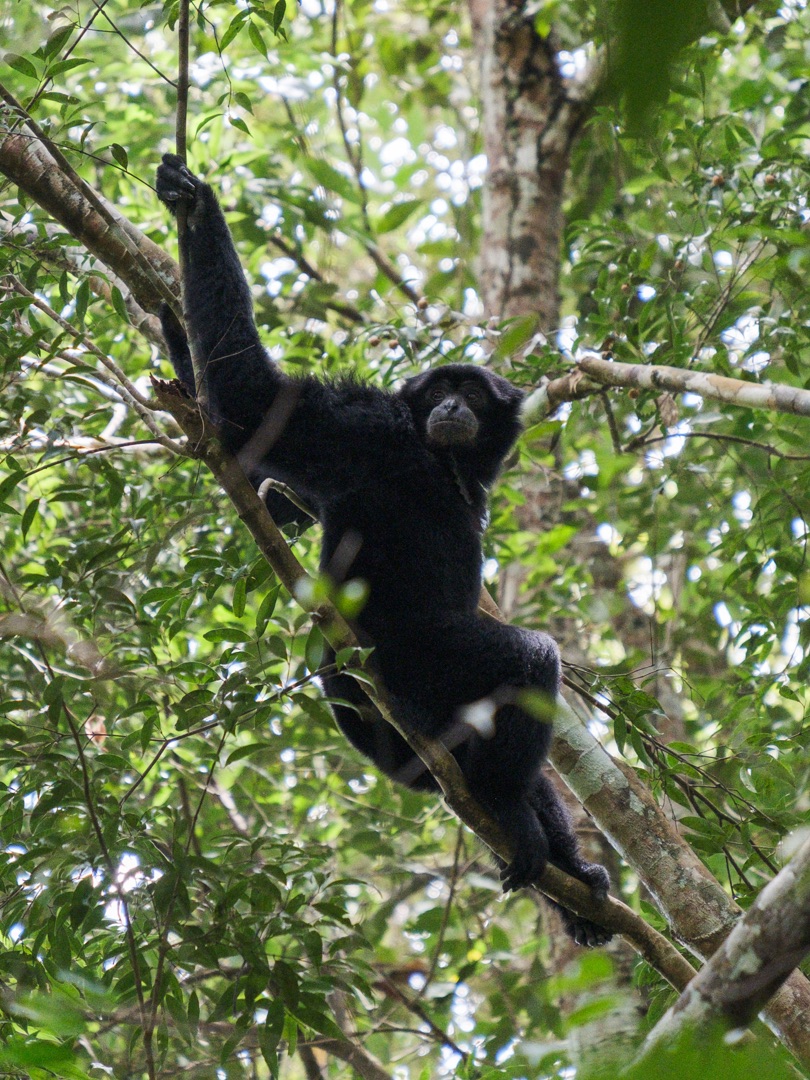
x,y
188,841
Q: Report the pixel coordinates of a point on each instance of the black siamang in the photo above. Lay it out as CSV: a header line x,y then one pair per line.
x,y
399,483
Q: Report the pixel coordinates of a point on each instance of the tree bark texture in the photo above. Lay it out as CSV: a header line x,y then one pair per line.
x,y
763,948
26,161
529,122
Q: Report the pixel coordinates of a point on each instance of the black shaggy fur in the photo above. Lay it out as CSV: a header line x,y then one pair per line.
x,y
405,513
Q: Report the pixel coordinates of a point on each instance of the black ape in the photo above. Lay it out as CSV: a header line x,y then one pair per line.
x,y
399,483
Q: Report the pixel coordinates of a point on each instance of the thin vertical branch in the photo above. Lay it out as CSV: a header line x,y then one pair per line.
x,y
181,146
164,946
353,153
180,139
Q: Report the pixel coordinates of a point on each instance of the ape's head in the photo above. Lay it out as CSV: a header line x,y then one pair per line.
x,y
466,409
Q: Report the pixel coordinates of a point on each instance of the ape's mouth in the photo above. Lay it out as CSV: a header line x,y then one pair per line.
x,y
452,432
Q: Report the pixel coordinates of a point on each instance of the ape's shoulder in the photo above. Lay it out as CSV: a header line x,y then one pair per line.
x,y
358,406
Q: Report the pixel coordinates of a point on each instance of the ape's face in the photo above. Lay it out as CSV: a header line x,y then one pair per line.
x,y
455,412
454,406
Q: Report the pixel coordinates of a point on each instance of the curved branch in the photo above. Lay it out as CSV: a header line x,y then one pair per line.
x,y
777,398
755,959
697,906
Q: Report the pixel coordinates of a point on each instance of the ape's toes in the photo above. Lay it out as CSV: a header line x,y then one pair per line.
x,y
596,878
522,872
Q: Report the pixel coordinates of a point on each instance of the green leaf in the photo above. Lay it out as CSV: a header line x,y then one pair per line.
x,y
9,484
315,649
82,300
515,335
235,27
120,155
239,594
21,64
255,36
37,1054
397,215
238,122
242,752
61,66
158,594
119,304
265,611
329,177
286,980
56,40
233,634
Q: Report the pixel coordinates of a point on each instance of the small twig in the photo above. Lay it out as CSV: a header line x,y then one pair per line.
x,y
164,947
656,747
613,428
66,54
181,147
141,56
306,267
384,264
448,907
276,485
765,447
392,991
129,392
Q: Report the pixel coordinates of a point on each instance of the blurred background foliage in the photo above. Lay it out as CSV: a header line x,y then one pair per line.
x,y
185,831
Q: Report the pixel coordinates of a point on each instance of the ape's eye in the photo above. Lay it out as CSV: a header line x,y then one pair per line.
x,y
437,394
473,393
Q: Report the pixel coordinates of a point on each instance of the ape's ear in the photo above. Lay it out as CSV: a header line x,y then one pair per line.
x,y
412,388
501,389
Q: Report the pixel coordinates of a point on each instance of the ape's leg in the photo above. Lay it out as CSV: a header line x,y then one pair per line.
x,y
563,843
491,667
564,853
459,682
366,730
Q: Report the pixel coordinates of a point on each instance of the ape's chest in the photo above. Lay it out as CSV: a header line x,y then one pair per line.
x,y
417,545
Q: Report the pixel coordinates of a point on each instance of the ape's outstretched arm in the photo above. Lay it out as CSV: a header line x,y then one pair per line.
x,y
240,381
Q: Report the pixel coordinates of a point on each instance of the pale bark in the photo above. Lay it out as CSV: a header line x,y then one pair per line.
x,y
530,116
771,396
763,948
698,909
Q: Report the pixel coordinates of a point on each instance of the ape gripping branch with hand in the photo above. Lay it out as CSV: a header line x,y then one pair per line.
x,y
399,483
691,899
